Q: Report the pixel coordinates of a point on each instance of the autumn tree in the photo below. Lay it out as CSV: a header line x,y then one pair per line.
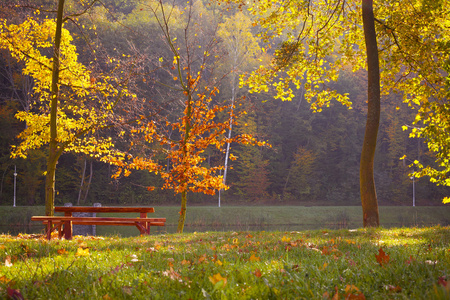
x,y
322,37
197,129
64,117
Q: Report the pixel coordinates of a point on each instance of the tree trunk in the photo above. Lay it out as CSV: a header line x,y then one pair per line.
x,y
367,183
91,174
54,154
227,153
182,217
82,182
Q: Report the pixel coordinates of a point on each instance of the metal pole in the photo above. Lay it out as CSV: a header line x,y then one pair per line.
x,y
15,176
414,193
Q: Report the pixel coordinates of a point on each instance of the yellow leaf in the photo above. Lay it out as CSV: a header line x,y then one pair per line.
x,y
285,239
217,278
82,252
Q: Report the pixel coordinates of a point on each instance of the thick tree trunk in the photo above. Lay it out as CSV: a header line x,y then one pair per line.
x,y
54,154
367,183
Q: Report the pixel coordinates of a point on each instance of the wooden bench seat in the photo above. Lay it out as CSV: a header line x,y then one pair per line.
x,y
64,223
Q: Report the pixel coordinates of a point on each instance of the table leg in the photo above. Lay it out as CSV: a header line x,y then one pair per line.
x,y
68,227
146,225
49,230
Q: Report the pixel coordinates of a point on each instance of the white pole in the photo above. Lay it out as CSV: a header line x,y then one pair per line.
x,y
15,176
414,193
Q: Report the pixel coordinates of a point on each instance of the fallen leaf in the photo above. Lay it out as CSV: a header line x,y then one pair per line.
x,y
62,251
393,288
8,261
172,274
217,278
350,288
257,273
14,294
382,257
202,258
82,252
254,258
441,281
285,239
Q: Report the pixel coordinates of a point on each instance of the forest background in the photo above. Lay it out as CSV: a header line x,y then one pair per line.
x,y
314,158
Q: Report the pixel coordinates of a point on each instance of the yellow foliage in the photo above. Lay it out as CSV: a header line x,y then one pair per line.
x,y
88,101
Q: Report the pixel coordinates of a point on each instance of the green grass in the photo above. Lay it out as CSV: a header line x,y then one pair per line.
x,y
231,265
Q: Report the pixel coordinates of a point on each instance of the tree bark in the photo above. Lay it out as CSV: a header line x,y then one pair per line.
x,y
53,146
367,182
89,182
182,217
82,182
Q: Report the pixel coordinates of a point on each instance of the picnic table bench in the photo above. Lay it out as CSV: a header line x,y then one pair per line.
x,y
64,223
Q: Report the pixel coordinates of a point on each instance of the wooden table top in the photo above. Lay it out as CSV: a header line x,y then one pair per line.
x,y
104,209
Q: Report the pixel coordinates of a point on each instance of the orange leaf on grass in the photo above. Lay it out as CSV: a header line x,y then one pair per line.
x,y
352,293
254,258
257,273
382,257
62,251
393,288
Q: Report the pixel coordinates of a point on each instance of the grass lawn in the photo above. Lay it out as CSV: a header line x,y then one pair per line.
x,y
405,263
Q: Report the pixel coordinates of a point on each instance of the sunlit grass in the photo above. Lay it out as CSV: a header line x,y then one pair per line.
x,y
231,265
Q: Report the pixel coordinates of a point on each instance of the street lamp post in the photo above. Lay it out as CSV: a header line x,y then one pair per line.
x,y
414,191
15,176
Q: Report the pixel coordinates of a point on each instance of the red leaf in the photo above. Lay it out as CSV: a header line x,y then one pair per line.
x,y
443,281
382,257
258,273
14,294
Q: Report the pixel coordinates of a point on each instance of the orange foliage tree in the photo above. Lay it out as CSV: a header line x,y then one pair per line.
x,y
193,132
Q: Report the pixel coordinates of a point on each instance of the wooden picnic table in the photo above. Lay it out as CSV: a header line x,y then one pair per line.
x,y
64,224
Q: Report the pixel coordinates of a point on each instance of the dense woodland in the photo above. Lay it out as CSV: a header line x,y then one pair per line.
x,y
313,157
